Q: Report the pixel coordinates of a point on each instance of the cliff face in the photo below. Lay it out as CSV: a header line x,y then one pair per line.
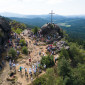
x,y
5,30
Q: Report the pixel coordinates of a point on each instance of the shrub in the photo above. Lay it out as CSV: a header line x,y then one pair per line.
x,y
22,41
35,30
25,50
50,76
47,60
64,68
13,52
17,30
39,81
64,54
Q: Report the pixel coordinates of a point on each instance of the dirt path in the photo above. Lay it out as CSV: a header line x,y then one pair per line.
x,y
34,56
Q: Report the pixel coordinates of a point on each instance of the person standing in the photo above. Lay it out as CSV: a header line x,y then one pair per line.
x,y
10,64
25,71
20,69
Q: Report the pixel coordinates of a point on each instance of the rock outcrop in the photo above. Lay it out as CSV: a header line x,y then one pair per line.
x,y
51,29
5,30
51,32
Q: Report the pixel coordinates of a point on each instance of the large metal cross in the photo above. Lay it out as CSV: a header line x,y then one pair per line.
x,y
51,16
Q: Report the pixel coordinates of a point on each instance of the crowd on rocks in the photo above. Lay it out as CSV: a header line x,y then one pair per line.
x,y
50,34
57,47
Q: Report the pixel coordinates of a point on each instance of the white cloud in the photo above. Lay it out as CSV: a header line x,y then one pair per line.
x,y
42,6
56,1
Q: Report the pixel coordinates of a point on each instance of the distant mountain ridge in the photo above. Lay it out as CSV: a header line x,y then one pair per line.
x,y
9,14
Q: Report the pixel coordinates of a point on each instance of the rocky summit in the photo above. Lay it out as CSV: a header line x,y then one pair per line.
x,y
52,32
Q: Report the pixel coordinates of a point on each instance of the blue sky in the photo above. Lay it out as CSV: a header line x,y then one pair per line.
x,y
62,7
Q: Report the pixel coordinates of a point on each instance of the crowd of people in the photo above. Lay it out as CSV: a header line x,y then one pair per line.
x,y
31,69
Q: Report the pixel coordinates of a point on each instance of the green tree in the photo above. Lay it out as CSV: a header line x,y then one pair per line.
x,y
64,68
25,50
40,81
76,55
78,75
23,26
18,30
47,60
35,30
64,53
13,52
59,80
22,41
50,76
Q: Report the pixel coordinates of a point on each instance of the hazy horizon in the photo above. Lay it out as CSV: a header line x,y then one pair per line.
x,y
42,7
42,14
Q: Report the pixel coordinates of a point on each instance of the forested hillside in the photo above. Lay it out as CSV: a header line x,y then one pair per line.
x,y
74,26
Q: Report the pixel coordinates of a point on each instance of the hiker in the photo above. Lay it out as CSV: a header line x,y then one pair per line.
x,y
26,43
44,67
13,61
7,57
18,53
20,69
29,53
3,63
15,47
6,46
52,53
43,54
35,71
30,71
29,42
10,64
29,60
23,33
14,66
36,67
31,74
39,52
31,79
40,71
27,76
25,71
